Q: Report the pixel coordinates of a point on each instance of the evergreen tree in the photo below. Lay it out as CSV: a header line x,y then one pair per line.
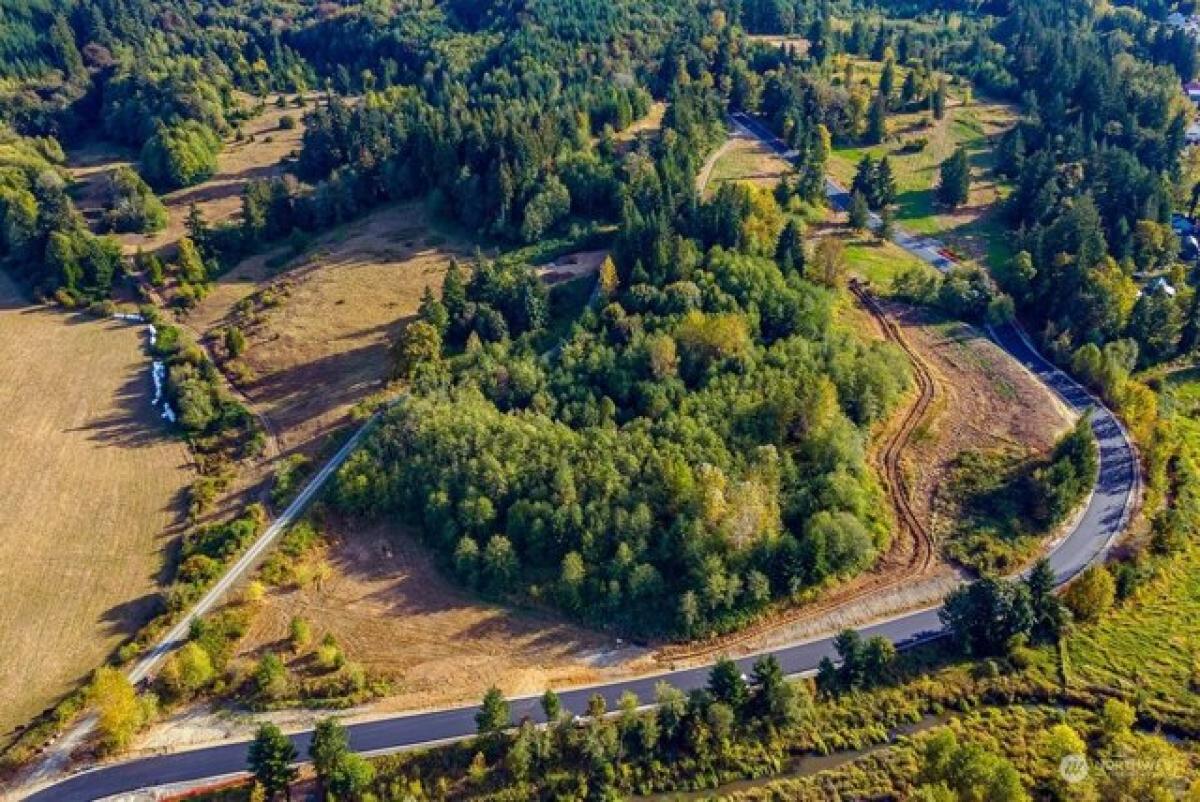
x,y
860,212
454,291
789,253
937,101
493,715
877,121
270,757
865,177
775,700
198,231
433,311
551,706
330,744
887,80
726,685
886,188
191,266
954,188
908,92
887,224
1049,614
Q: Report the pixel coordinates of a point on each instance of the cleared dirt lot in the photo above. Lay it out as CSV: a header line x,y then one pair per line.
x,y
985,401
257,156
320,346
393,611
91,487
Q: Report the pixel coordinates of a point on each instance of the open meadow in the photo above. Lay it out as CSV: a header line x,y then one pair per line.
x,y
743,158
319,324
258,155
917,146
92,487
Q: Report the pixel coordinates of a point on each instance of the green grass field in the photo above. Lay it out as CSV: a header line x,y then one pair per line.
x,y
972,229
1151,646
1180,398
879,262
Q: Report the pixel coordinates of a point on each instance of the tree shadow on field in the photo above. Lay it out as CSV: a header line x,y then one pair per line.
x,y
134,423
126,618
410,586
314,388
15,300
221,186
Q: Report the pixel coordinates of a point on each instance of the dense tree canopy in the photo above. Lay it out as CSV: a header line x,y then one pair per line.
x,y
693,450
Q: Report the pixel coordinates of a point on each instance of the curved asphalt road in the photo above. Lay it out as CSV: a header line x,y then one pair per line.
x,y
1103,520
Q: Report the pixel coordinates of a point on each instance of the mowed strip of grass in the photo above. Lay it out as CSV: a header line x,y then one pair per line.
x,y
879,262
90,486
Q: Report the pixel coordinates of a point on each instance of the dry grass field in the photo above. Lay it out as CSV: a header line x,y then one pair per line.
x,y
391,610
90,489
644,129
986,401
319,327
743,158
257,156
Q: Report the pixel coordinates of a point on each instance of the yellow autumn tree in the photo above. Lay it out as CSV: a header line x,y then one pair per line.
x,y
609,281
120,712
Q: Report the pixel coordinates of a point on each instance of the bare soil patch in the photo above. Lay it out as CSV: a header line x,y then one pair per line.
x,y
92,488
572,266
391,610
987,401
259,155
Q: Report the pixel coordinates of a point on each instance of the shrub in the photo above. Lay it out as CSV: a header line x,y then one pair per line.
x,y
189,671
271,678
180,155
300,633
1091,594
130,205
329,654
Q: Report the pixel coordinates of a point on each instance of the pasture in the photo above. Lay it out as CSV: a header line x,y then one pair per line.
x,y
319,324
91,488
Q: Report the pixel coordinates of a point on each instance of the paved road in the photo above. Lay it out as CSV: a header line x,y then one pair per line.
x,y
59,753
1103,520
925,248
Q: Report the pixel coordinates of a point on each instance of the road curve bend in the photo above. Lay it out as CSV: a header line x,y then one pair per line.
x,y
1107,513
